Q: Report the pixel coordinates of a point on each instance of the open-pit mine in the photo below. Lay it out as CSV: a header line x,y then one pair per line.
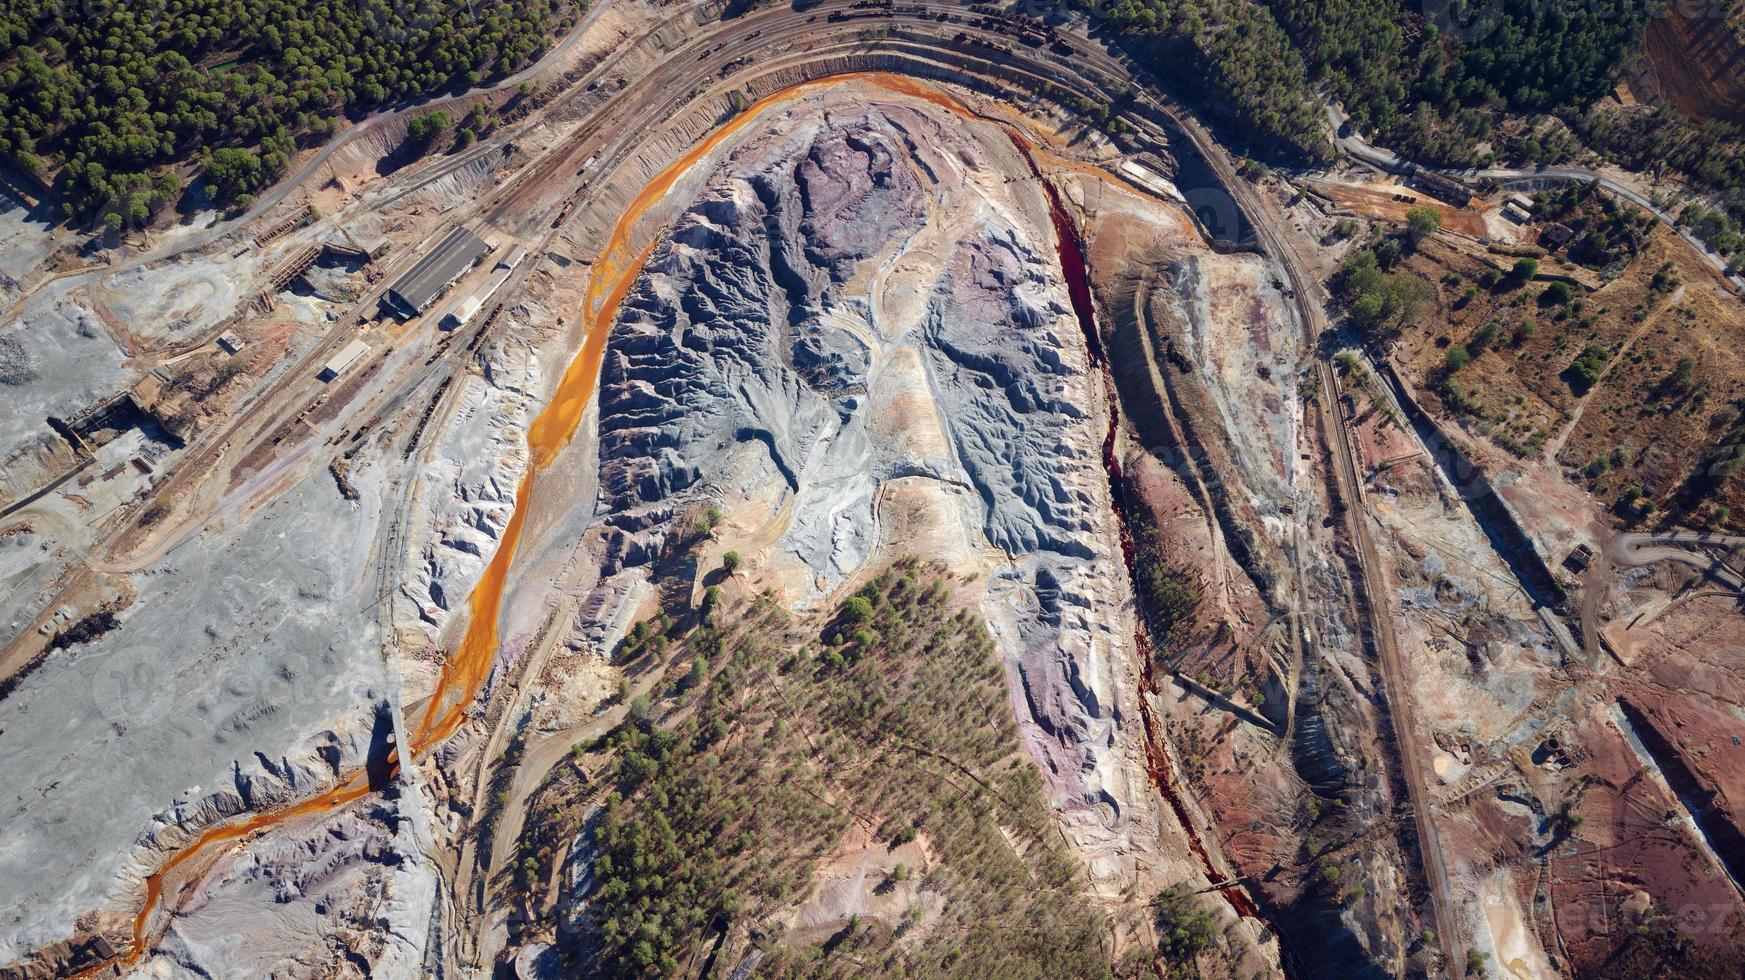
x,y
794,497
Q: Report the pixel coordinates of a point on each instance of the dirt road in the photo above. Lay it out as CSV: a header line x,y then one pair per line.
x,y
797,36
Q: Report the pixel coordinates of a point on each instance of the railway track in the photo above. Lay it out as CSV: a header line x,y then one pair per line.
x,y
1394,674
1395,679
609,136
1314,322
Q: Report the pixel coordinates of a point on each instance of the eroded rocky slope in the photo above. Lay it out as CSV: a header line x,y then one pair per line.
x,y
1269,693
858,343
242,675
767,355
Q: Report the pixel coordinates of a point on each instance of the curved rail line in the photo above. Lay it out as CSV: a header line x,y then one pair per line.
x,y
619,263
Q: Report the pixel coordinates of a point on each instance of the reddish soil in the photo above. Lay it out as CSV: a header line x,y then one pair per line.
x,y
1255,808
1697,61
1627,872
1384,201
1254,802
1384,445
1683,694
1218,643
1625,890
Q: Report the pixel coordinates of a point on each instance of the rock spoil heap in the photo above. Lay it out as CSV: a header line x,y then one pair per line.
x,y
858,339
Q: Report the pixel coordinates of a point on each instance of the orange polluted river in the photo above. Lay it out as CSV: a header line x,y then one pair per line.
x,y
616,269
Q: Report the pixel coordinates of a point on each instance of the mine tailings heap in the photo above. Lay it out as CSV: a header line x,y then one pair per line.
x,y
1073,267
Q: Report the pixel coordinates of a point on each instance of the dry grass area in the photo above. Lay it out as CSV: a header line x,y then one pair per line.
x,y
1630,386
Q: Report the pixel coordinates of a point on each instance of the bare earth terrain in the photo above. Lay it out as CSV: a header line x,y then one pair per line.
x,y
871,521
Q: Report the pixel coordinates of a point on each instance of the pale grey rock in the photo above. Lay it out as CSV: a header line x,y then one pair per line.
x,y
744,358
55,359
468,492
246,671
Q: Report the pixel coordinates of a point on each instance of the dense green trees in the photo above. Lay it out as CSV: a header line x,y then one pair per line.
x,y
1380,301
1421,223
1356,48
1438,88
102,97
1171,595
232,170
478,121
424,128
1433,80
858,609
1455,82
1543,56
1556,294
1587,368
723,797
1237,59
1185,929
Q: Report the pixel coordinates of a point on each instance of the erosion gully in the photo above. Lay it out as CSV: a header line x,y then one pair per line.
x,y
1069,249
464,672
616,269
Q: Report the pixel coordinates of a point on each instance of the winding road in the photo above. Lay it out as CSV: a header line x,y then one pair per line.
x,y
921,32
1356,148
1646,549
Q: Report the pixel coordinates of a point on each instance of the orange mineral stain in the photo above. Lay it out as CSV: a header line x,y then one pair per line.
x,y
614,272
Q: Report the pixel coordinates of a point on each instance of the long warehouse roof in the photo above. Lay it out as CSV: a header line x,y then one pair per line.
x,y
337,364
425,281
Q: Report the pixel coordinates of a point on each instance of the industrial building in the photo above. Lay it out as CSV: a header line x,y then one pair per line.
x,y
424,283
346,357
1440,186
469,306
463,311
375,246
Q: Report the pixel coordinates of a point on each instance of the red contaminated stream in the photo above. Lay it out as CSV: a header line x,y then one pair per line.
x,y
614,272
465,670
1076,270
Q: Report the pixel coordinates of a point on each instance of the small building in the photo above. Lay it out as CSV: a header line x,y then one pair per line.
x,y
462,313
414,293
1523,202
230,343
1556,234
1442,187
1515,214
1579,559
346,357
375,246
